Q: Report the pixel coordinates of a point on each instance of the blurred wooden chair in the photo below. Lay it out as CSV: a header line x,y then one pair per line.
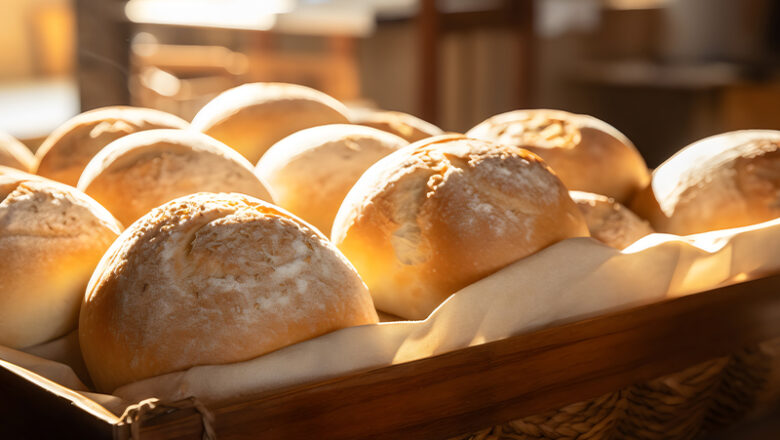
x,y
434,21
105,68
180,79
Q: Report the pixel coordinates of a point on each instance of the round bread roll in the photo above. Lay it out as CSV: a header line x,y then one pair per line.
x,y
610,222
400,124
213,279
311,171
586,153
720,182
51,238
15,154
444,212
138,172
252,117
67,151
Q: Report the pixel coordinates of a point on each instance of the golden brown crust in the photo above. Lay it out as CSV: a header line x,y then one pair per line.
x,y
143,170
442,213
610,222
404,125
311,171
51,238
723,181
213,279
15,154
252,117
586,153
66,152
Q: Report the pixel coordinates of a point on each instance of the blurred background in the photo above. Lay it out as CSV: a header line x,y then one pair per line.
x,y
665,72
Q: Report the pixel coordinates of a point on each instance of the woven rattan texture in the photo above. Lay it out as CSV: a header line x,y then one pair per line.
x,y
680,406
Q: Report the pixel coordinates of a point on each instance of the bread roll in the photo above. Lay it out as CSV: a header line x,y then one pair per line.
x,y
51,238
252,117
213,279
15,154
724,181
586,153
610,222
67,151
400,124
444,212
138,172
311,171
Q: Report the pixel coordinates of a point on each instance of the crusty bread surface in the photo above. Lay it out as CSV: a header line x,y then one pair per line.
x,y
404,125
610,222
67,151
141,171
444,212
213,279
252,117
723,181
586,153
51,238
311,171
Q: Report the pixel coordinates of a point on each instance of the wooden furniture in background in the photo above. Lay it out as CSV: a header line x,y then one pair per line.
x,y
433,23
181,79
103,53
332,69
105,69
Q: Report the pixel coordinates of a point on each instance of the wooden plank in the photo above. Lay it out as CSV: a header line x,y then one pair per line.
x,y
493,383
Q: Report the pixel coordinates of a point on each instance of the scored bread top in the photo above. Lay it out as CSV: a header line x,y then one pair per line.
x,y
213,279
444,212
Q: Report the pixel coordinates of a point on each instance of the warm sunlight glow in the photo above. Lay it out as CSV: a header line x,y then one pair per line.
x,y
636,4
238,14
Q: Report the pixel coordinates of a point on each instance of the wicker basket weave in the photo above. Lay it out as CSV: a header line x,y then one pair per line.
x,y
741,384
673,406
592,419
683,405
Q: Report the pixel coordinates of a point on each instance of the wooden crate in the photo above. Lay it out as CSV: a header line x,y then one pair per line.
x,y
445,395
